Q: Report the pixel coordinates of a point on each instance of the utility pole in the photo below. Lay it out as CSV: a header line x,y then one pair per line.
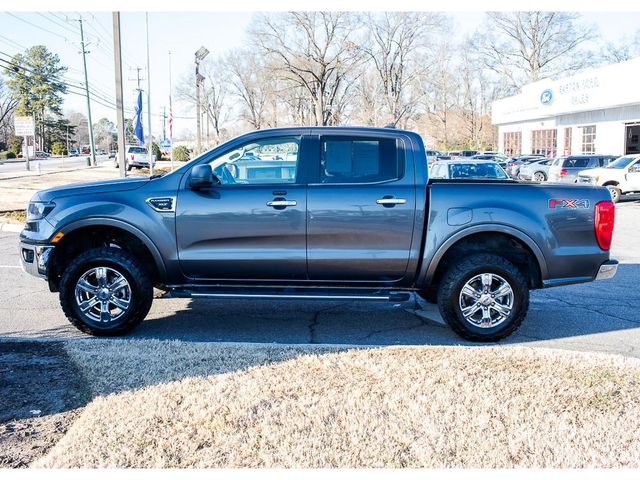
x,y
150,142
86,86
117,56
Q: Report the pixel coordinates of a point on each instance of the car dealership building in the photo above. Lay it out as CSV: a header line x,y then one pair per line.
x,y
596,111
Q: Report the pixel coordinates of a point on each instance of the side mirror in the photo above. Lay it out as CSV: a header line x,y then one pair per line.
x,y
201,176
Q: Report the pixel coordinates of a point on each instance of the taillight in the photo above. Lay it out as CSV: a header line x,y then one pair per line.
x,y
604,219
563,172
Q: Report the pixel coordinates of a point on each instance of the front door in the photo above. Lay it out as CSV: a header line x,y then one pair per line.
x,y
361,207
251,225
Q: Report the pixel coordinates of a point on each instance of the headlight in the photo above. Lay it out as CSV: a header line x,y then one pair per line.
x,y
39,210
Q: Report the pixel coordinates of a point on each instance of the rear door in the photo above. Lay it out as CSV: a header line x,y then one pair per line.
x,y
361,203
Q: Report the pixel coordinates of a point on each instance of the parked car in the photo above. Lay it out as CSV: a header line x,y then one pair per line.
x,y
100,151
41,154
347,222
468,153
468,169
455,154
536,170
113,153
622,176
566,169
73,152
433,156
513,165
136,156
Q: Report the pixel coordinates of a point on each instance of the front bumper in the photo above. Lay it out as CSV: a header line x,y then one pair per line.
x,y
35,258
607,270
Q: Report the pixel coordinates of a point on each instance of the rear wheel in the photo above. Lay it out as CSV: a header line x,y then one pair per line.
x,y
615,192
483,297
539,177
105,292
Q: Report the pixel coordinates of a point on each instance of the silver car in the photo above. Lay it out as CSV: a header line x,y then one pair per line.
x,y
538,170
566,169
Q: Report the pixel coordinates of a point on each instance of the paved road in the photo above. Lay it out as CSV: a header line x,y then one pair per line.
x,y
599,316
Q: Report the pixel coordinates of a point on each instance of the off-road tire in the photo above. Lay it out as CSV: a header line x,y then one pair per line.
x,y
127,265
465,269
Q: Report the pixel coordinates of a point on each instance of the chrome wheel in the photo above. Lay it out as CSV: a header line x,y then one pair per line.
x,y
615,193
539,177
103,294
486,300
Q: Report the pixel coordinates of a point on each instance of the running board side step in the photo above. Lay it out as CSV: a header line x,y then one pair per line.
x,y
379,296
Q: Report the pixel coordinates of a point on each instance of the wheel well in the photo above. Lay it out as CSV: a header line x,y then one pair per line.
x,y
507,246
84,238
612,183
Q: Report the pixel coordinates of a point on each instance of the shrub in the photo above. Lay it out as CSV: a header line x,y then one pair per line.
x,y
157,154
58,148
7,155
181,153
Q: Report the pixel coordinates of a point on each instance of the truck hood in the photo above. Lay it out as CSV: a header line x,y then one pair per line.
x,y
101,186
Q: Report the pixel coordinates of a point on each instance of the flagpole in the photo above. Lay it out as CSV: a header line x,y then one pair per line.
x,y
170,115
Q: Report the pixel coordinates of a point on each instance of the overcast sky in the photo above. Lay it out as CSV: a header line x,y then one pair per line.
x,y
183,34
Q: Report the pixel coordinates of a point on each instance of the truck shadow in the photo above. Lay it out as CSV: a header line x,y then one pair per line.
x,y
557,314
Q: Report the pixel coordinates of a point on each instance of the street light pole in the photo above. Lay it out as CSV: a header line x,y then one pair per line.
x,y
150,142
117,49
200,55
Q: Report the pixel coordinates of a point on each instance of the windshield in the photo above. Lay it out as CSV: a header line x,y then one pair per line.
x,y
621,162
137,150
477,170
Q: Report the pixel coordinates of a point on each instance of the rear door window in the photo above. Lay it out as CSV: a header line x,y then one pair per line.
x,y
578,162
360,159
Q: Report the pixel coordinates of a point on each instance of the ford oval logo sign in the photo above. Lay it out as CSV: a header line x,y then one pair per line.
x,y
546,97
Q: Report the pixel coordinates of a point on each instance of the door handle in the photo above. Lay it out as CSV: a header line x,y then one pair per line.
x,y
282,203
391,201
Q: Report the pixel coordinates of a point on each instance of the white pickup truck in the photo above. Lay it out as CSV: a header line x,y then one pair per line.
x,y
621,176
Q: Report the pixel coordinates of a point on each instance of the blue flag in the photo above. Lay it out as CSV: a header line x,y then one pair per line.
x,y
138,129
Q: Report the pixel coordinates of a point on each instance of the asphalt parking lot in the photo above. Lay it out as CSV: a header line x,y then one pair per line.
x,y
599,316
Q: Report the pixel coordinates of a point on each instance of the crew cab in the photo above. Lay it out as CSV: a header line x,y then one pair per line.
x,y
621,176
346,213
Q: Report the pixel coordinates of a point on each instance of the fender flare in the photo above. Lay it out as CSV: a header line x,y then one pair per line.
x,y
428,273
112,222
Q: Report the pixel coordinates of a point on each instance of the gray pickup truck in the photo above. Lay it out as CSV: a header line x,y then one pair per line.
x,y
344,213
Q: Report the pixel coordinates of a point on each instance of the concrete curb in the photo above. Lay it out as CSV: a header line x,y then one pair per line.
x,y
11,227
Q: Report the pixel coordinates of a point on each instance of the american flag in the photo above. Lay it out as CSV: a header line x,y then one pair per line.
x,y
170,122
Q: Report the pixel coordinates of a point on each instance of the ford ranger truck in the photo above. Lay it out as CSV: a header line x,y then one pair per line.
x,y
344,213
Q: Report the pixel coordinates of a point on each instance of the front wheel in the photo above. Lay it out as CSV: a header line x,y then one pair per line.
x,y
105,292
483,298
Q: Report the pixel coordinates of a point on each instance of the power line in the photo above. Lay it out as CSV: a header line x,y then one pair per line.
x,y
39,27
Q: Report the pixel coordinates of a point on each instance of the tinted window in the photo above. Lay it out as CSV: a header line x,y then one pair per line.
x,y
265,161
360,160
476,170
578,162
137,150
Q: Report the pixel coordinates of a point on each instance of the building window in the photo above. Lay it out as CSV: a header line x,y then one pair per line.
x,y
512,143
543,142
567,141
589,139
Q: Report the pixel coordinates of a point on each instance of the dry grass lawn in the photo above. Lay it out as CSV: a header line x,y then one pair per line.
x,y
211,405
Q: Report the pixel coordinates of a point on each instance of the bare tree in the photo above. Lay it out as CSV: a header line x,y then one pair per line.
x,y
7,106
250,83
528,46
392,40
312,50
627,48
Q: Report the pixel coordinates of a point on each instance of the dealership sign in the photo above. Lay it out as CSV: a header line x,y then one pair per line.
x,y
606,87
24,126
